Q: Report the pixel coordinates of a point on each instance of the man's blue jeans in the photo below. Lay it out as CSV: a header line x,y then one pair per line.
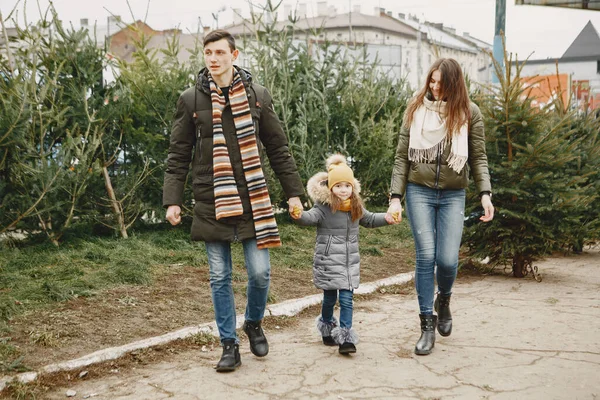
x,y
436,219
329,299
258,266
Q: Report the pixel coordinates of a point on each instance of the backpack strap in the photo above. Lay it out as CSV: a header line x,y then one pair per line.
x,y
258,99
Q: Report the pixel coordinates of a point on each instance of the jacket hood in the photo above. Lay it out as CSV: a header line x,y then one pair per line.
x,y
202,79
317,188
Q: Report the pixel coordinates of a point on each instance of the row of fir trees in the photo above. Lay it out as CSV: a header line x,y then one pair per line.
x,y
76,151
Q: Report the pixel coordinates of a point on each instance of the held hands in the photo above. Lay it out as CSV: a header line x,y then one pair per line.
x,y
174,214
295,207
488,208
394,212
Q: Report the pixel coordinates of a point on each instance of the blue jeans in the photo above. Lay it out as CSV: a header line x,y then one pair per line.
x,y
329,299
436,219
258,266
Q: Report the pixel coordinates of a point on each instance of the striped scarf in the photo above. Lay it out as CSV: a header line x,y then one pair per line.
x,y
227,199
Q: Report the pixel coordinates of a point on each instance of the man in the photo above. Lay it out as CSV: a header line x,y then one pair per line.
x,y
222,125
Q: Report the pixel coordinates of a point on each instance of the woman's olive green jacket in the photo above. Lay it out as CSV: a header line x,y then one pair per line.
x,y
192,142
437,174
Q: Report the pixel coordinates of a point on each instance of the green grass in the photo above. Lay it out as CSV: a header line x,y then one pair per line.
x,y
203,339
10,358
34,275
40,274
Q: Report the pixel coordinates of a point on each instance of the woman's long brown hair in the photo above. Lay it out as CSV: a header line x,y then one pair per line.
x,y
453,91
356,207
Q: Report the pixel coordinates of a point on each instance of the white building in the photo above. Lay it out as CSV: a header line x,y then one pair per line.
x,y
472,54
404,47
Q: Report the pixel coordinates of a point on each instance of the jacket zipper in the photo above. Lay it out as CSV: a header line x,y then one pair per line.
x,y
347,250
199,142
437,171
235,234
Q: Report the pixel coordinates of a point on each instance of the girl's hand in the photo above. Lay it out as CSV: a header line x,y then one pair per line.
x,y
488,208
394,212
295,207
296,212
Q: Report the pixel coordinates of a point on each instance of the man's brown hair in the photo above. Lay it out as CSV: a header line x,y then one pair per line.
x,y
218,34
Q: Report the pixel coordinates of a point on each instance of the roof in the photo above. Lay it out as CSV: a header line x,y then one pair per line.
x,y
585,47
563,60
472,40
587,43
441,37
335,22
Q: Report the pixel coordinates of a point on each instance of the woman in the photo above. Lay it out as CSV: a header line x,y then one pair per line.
x,y
441,141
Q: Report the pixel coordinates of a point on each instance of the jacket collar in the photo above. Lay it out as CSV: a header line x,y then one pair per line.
x,y
202,80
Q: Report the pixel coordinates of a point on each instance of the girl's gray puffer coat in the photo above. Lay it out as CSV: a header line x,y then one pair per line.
x,y
336,263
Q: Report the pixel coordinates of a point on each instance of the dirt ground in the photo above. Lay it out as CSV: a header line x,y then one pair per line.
x,y
512,339
178,298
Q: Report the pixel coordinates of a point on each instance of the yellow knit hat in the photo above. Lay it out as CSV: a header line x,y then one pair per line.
x,y
338,171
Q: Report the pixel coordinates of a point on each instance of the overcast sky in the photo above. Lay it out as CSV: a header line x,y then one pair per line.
x,y
546,31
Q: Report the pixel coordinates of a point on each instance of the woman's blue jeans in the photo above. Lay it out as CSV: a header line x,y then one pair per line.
x,y
329,299
436,219
258,266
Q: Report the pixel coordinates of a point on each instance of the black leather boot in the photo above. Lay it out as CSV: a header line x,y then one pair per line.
x,y
258,342
230,359
427,340
442,307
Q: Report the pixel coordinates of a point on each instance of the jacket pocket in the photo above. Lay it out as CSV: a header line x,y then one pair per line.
x,y
203,187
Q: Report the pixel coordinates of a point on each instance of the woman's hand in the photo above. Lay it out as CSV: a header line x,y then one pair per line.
x,y
394,212
488,208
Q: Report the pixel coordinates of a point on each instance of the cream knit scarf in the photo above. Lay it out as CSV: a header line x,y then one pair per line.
x,y
428,137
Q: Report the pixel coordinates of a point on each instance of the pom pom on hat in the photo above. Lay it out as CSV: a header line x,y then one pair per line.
x,y
338,171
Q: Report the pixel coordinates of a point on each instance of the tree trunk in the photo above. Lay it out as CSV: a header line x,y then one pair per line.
x,y
115,204
519,266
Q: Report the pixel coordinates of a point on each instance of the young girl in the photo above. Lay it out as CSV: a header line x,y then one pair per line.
x,y
337,212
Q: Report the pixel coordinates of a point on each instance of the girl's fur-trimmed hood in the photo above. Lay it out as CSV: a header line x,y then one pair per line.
x,y
317,185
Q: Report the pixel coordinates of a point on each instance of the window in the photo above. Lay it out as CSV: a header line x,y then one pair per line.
x,y
598,67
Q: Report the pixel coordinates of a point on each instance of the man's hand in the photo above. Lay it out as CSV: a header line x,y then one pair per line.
x,y
295,207
488,208
394,212
174,215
